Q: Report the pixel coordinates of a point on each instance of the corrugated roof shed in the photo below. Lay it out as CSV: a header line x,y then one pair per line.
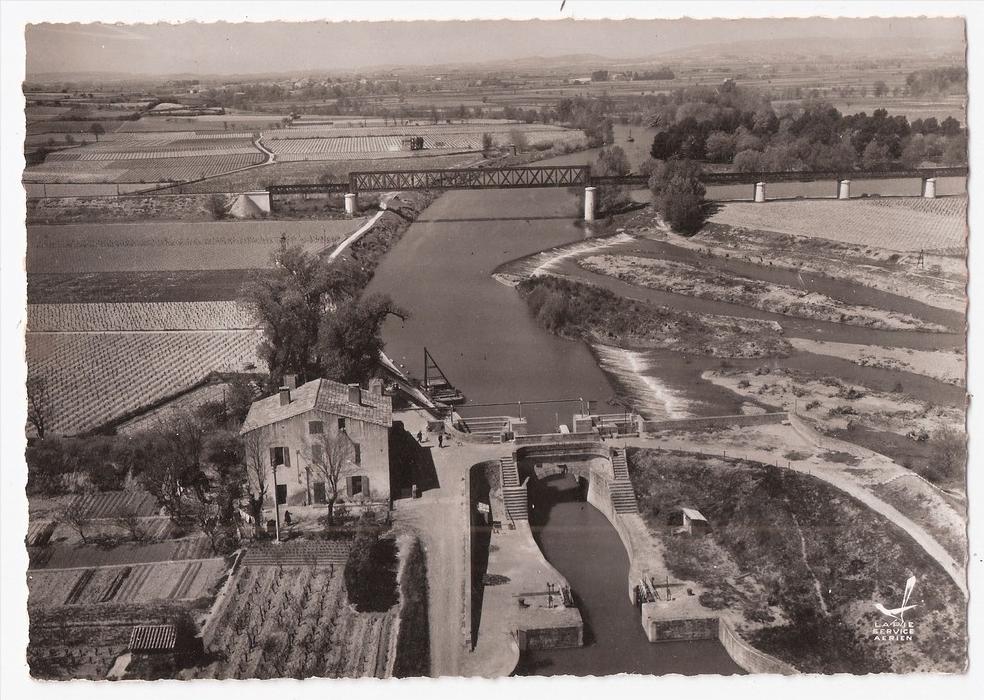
x,y
152,638
322,395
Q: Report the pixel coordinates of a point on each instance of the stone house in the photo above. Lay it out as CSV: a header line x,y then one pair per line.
x,y
301,431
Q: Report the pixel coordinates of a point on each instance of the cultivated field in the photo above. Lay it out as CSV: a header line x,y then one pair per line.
x,y
162,316
331,143
78,556
140,583
219,245
149,158
94,378
861,222
296,622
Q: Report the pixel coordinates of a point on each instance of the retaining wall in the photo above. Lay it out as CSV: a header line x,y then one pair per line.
x,y
713,422
550,638
671,630
747,656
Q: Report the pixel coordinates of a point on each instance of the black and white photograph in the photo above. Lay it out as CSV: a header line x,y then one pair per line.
x,y
558,342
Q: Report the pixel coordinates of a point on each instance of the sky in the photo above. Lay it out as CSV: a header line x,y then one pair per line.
x,y
276,47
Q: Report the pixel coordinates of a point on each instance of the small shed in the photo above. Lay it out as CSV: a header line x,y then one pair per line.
x,y
153,639
693,522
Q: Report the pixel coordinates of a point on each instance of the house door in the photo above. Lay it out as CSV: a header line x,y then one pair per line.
x,y
320,496
281,494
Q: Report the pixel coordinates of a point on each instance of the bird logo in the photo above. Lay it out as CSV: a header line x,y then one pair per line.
x,y
899,612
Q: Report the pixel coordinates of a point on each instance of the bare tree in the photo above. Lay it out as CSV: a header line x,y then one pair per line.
x,y
38,404
75,514
172,461
129,520
256,473
206,517
331,461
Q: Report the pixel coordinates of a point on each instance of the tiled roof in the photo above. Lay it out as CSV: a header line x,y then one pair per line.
x,y
152,638
321,395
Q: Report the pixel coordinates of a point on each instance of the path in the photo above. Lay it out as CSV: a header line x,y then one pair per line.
x,y
439,518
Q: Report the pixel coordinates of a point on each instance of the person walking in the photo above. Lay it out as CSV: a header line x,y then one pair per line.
x,y
440,440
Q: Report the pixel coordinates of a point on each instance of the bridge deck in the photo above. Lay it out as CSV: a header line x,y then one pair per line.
x,y
567,176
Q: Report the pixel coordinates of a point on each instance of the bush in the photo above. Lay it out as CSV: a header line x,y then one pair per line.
x,y
413,642
217,207
370,576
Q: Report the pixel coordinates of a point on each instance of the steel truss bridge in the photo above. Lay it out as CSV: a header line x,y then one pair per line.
x,y
566,176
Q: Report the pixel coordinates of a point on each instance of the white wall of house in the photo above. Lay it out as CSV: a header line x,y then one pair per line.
x,y
364,480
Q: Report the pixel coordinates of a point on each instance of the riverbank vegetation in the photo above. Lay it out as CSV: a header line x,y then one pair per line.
x,y
717,285
582,311
923,436
801,563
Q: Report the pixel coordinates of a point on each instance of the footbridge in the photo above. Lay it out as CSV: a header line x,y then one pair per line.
x,y
581,176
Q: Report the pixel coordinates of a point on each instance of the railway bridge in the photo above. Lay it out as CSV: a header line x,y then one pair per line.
x,y
581,176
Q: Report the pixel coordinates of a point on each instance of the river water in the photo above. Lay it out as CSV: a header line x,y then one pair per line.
x,y
489,346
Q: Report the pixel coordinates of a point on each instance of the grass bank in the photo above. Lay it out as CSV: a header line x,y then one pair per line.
x,y
802,564
582,311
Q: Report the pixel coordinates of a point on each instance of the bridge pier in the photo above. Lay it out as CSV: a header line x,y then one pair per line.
x,y
590,194
929,188
351,204
759,191
844,190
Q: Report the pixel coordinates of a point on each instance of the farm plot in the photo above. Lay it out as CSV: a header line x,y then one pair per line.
x,y
295,622
858,222
141,583
82,641
159,316
216,245
96,378
81,557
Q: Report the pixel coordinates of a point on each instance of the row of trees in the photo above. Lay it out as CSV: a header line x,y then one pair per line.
x,y
737,126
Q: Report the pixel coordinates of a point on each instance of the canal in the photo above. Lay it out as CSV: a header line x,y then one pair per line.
x,y
583,546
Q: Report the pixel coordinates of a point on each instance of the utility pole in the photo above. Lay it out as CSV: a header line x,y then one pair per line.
x,y
276,504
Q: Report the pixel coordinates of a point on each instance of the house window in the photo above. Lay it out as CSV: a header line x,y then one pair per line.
x,y
317,454
357,453
358,486
316,427
279,456
341,424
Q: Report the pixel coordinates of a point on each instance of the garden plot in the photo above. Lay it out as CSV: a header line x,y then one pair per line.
x,y
220,245
96,378
183,580
81,557
860,222
295,622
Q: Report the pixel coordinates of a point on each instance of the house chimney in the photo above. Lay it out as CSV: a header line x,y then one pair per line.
x,y
290,381
355,394
284,395
376,386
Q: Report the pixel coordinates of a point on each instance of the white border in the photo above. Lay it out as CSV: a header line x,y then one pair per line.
x,y
14,682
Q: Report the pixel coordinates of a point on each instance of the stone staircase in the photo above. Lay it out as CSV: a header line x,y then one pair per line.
x,y
620,467
513,493
620,489
485,428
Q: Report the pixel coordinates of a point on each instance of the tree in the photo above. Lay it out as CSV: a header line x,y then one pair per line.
x,y
486,142
206,517
76,515
517,137
720,147
880,88
96,129
217,207
291,304
611,161
256,474
39,404
679,195
875,156
350,339
129,520
171,458
331,457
